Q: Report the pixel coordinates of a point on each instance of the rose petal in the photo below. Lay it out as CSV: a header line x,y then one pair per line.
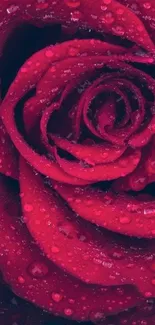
x,y
34,278
119,168
143,175
92,154
120,213
80,248
145,10
130,26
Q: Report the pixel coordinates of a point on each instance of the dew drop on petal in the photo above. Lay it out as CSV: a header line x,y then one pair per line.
x,y
38,269
148,294
23,70
76,16
28,207
12,9
107,18
120,11
118,30
57,297
72,3
55,249
88,202
73,51
147,5
108,199
68,311
21,280
71,301
149,212
133,208
103,8
116,255
107,2
124,220
49,53
42,4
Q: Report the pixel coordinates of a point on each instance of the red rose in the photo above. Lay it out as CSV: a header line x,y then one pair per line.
x,y
77,137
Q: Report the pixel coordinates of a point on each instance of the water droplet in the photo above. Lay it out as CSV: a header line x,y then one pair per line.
x,y
12,9
149,212
147,5
53,69
82,238
97,261
71,301
107,2
23,70
49,53
76,16
98,316
28,207
38,269
42,4
116,255
73,3
57,297
68,311
89,202
118,30
108,199
148,294
73,51
78,200
103,8
120,291
133,208
120,11
67,229
83,298
21,280
124,220
107,18
55,249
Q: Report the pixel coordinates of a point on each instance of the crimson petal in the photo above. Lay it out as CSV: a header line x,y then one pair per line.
x,y
34,278
81,248
120,213
119,168
123,22
92,154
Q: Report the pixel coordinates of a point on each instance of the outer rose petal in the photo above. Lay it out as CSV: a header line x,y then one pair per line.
x,y
34,278
91,252
123,21
145,10
120,213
